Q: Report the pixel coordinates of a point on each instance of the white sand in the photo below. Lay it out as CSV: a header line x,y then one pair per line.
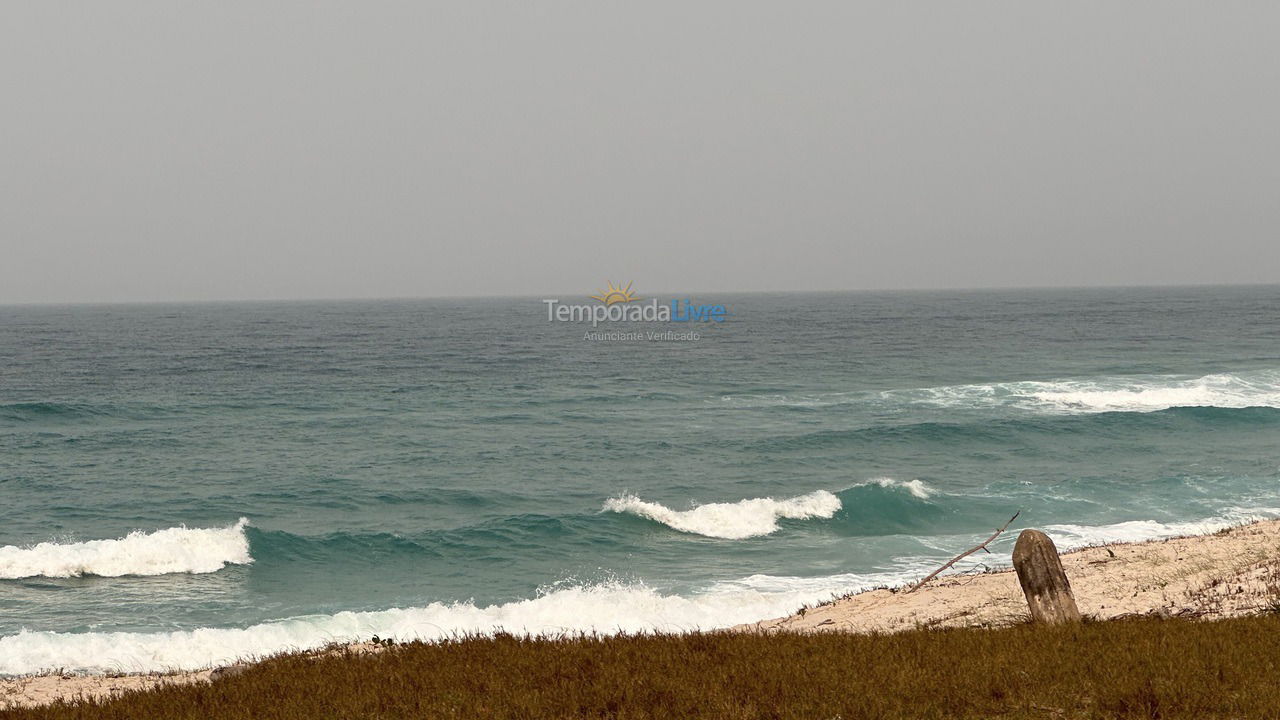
x,y
44,689
1234,572
34,690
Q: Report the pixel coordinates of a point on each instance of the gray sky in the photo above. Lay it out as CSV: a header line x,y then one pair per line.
x,y
210,150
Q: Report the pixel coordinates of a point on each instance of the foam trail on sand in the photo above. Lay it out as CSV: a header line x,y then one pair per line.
x,y
1076,536
174,550
746,518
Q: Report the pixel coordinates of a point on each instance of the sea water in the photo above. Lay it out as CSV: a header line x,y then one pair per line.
x,y
183,485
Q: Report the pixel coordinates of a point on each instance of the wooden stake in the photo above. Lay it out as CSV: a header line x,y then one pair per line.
x,y
1043,580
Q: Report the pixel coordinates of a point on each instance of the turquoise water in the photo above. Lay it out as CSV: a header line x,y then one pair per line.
x,y
421,468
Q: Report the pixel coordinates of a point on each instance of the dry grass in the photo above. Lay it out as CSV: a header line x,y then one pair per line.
x,y
1253,589
1140,668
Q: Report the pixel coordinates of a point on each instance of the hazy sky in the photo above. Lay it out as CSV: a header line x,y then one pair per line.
x,y
210,150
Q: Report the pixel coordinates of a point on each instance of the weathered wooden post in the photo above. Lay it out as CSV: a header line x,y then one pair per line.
x,y
1043,581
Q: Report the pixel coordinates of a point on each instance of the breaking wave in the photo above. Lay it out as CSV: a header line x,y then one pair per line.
x,y
1139,393
174,550
1161,393
1115,394
917,488
733,521
606,608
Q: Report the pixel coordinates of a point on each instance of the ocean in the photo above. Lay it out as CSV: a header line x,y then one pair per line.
x,y
187,484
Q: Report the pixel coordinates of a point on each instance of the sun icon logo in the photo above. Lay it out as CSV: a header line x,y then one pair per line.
x,y
615,295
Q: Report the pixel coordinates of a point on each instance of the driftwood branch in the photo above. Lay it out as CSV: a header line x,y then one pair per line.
x,y
966,553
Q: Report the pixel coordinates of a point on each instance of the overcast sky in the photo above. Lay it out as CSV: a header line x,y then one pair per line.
x,y
177,150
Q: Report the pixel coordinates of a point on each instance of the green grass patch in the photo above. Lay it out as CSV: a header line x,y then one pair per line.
x,y
1142,668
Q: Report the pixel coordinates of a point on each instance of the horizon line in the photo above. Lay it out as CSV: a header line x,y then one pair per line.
x,y
524,296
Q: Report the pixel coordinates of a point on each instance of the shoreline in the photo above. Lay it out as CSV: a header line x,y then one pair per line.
x,y
1225,574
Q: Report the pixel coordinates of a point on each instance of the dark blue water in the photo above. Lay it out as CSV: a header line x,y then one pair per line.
x,y
417,468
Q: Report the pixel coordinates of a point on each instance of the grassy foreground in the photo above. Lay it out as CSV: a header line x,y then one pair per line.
x,y
1142,668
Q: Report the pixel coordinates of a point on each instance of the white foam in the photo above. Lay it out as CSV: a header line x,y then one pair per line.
x,y
608,608
1075,536
810,589
1144,393
743,519
916,487
175,550
1147,393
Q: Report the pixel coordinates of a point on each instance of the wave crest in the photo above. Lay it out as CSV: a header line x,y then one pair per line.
x,y
173,550
917,488
1149,393
1142,393
732,521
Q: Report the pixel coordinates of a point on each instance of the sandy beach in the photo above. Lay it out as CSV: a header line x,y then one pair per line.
x,y
34,690
44,689
1229,573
